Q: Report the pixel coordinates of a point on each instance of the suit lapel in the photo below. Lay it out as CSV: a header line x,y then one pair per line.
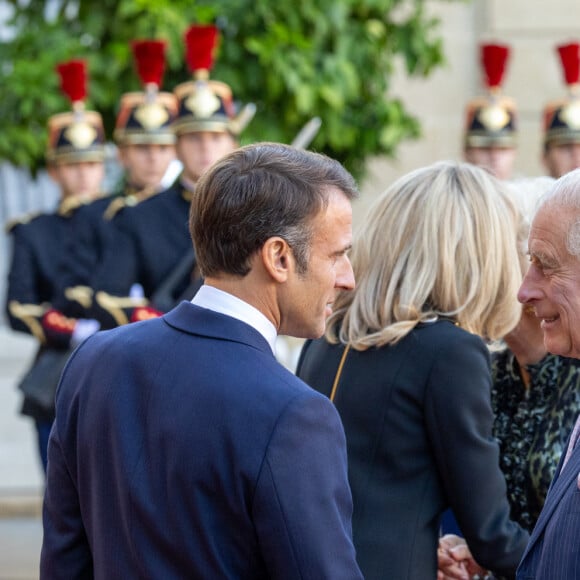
x,y
562,481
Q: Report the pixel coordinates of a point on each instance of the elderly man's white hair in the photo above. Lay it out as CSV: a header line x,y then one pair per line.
x,y
566,193
528,192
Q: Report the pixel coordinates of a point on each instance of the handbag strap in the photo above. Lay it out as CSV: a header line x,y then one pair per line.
x,y
339,372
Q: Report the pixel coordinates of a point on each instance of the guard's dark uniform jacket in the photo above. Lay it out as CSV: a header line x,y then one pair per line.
x,y
33,284
152,248
93,228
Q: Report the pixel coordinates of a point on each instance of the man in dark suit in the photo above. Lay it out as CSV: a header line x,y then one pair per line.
x,y
181,448
551,287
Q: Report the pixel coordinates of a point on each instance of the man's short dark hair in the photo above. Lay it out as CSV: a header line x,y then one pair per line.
x,y
257,192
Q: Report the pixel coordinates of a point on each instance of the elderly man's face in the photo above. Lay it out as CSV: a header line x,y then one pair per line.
x,y
552,283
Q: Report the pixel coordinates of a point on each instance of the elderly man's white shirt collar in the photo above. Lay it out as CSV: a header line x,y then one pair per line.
x,y
225,303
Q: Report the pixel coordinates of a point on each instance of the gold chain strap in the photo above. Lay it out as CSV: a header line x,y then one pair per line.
x,y
339,372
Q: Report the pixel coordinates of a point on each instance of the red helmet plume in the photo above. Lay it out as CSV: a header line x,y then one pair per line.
x,y
73,79
493,59
200,42
570,59
149,60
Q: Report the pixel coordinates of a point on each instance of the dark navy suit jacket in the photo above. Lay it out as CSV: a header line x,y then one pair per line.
x,y
553,552
418,419
182,449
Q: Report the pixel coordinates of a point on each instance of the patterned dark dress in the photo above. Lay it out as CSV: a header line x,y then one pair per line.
x,y
532,426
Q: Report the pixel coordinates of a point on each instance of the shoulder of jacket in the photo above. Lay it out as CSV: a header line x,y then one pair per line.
x,y
21,220
131,200
70,205
444,335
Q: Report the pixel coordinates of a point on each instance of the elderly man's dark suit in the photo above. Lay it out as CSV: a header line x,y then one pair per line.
x,y
182,449
553,551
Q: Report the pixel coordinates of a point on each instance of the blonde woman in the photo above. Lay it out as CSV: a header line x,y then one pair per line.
x,y
405,362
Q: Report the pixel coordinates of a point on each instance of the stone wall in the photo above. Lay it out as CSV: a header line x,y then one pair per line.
x,y
532,28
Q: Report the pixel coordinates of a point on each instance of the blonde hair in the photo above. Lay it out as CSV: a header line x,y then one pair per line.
x,y
440,242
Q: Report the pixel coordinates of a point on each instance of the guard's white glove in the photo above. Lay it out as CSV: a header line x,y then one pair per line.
x,y
84,328
136,291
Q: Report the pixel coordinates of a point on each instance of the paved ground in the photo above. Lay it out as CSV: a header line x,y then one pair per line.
x,y
20,540
21,478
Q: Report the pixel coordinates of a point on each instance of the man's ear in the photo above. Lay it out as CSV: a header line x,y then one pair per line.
x,y
277,258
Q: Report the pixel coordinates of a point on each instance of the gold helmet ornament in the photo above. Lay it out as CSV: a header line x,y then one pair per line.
x,y
146,117
491,119
562,116
77,135
204,104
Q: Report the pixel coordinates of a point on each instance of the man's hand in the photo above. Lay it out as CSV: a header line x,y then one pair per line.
x,y
455,561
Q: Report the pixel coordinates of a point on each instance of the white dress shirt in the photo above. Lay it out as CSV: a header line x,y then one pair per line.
x,y
225,303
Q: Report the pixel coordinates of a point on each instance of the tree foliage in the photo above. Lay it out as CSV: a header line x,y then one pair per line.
x,y
295,60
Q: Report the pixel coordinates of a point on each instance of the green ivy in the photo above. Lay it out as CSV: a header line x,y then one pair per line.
x,y
328,58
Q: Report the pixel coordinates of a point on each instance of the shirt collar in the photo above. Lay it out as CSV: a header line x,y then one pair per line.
x,y
225,303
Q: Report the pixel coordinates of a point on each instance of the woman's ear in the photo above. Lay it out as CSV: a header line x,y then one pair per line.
x,y
277,258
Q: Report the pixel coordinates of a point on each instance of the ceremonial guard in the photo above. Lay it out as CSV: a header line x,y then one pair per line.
x,y
490,136
74,156
151,264
146,145
561,118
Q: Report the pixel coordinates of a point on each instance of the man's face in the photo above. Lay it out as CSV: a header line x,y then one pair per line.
x,y
561,159
83,179
306,300
497,160
146,164
552,283
200,150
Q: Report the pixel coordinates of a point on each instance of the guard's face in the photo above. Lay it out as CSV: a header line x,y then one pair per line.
x,y
552,283
499,161
146,164
307,298
83,179
200,150
561,159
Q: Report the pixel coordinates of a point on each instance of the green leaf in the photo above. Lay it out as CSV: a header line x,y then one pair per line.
x,y
295,60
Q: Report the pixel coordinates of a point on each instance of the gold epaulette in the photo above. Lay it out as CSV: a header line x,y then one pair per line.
x,y
69,205
23,219
81,294
115,305
130,200
30,315
187,194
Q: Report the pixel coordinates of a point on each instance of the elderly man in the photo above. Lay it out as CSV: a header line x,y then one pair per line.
x,y
552,287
